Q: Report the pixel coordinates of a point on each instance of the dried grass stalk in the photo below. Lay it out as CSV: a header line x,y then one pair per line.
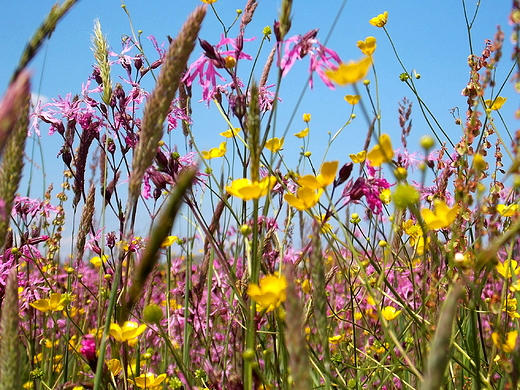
x,y
85,223
294,335
100,50
9,343
440,346
12,161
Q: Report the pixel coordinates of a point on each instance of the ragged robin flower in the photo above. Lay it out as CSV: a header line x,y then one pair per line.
x,y
245,189
269,293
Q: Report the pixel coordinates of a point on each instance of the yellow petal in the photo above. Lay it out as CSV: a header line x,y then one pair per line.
x,y
328,173
351,72
230,133
303,133
309,181
382,152
368,46
274,144
352,99
358,157
495,104
115,332
168,241
507,211
380,20
41,305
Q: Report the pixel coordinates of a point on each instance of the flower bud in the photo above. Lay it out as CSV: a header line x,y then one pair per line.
x,y
344,174
153,314
427,142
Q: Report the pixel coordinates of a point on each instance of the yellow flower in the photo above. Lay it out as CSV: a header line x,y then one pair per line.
x,y
269,293
351,72
326,176
129,331
209,1
380,20
386,196
368,46
303,133
358,157
390,313
96,261
245,189
382,152
114,366
507,211
352,99
442,217
422,244
306,286
510,342
306,117
335,340
148,380
230,133
274,144
304,199
509,306
56,302
215,152
495,104
508,268
168,241
325,227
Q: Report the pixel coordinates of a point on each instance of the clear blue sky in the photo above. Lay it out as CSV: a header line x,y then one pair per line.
x,y
430,37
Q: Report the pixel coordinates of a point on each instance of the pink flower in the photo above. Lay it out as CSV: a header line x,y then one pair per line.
x,y
370,187
88,347
205,67
321,58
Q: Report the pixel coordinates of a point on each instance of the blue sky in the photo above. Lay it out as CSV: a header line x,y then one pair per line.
x,y
430,37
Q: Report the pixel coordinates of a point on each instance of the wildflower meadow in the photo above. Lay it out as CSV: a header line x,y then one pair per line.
x,y
182,220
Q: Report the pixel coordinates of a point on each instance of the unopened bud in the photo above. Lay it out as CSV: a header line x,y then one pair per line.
x,y
344,174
